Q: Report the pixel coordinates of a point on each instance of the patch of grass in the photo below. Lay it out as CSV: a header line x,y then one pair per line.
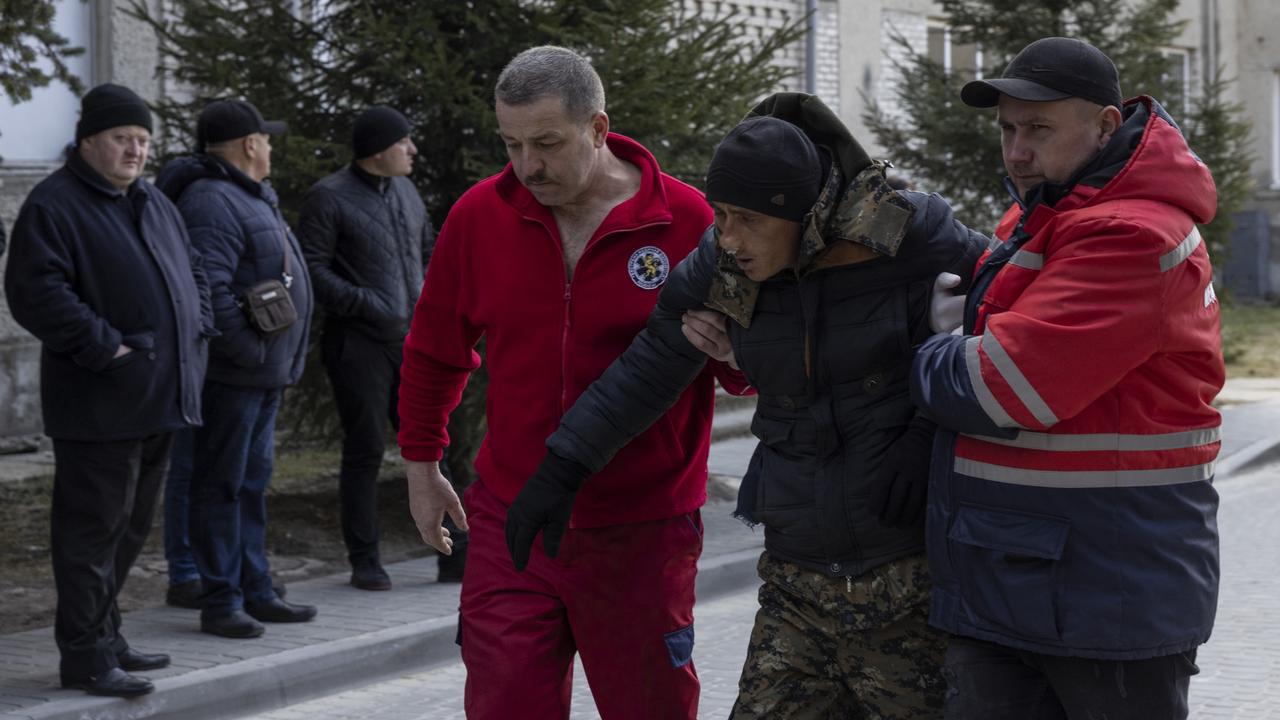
x,y
314,467
1251,340
305,469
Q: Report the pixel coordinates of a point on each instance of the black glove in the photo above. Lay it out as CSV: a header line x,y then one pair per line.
x,y
899,487
545,503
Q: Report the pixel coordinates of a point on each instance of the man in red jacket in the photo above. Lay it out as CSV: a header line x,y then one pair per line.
x,y
1072,522
557,262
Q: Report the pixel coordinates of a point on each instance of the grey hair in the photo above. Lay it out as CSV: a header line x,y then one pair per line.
x,y
552,71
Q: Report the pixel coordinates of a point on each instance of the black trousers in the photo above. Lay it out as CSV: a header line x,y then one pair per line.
x,y
104,498
992,682
365,375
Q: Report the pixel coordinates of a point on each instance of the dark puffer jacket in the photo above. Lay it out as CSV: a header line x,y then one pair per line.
x,y
234,222
827,348
92,267
367,241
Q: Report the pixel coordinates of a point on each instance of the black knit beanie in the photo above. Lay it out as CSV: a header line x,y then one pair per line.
x,y
378,128
766,165
108,106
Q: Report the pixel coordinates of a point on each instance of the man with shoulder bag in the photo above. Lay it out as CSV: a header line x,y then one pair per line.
x,y
261,304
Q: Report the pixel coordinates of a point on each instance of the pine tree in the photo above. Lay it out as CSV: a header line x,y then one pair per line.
x,y
1217,134
673,80
954,149
27,37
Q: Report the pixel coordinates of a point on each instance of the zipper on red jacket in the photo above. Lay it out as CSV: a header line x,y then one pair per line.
x,y
568,298
564,345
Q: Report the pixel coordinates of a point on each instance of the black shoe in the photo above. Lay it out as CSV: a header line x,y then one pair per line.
x,y
450,567
113,683
184,595
134,661
235,625
279,611
369,575
279,588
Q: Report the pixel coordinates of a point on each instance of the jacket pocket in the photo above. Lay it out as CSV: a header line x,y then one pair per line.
x,y
769,431
124,360
866,333
1008,565
680,646
378,310
782,482
140,343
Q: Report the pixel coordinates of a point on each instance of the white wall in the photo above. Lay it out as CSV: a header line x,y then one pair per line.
x,y
35,132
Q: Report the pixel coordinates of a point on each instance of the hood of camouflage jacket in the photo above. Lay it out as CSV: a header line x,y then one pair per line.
x,y
856,217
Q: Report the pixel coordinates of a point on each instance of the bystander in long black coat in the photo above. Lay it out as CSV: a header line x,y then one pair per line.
x,y
92,267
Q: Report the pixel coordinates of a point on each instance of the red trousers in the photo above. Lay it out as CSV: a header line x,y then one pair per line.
x,y
620,596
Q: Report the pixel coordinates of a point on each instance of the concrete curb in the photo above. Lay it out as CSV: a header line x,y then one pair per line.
x,y
1250,457
260,684
257,685
728,574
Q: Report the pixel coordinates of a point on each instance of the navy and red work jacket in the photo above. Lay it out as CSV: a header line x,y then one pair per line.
x,y
1071,509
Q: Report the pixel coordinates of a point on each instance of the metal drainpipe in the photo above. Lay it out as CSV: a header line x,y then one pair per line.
x,y
811,49
1208,40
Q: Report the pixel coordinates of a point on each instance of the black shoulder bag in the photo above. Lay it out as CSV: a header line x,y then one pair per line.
x,y
268,304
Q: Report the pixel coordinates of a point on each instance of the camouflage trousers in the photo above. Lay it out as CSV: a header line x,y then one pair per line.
x,y
854,649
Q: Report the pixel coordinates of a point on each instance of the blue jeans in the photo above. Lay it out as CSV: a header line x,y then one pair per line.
x,y
234,453
177,510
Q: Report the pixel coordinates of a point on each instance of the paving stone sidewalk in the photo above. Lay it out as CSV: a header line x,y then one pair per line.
x,y
357,637
361,636
1239,667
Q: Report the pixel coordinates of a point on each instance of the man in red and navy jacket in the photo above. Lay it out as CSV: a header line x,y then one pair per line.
x,y
557,262
1072,532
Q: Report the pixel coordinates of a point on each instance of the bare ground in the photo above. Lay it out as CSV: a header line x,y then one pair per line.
x,y
304,538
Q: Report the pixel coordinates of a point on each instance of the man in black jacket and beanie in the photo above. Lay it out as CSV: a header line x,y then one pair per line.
x,y
367,239
816,281
233,219
102,272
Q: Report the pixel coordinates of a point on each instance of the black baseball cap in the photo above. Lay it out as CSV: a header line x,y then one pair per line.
x,y
224,120
1053,68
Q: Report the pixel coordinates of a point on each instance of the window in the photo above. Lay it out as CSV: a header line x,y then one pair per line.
x,y
1275,131
36,131
1178,70
964,59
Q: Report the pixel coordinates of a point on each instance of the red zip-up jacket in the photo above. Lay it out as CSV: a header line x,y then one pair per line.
x,y
498,272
